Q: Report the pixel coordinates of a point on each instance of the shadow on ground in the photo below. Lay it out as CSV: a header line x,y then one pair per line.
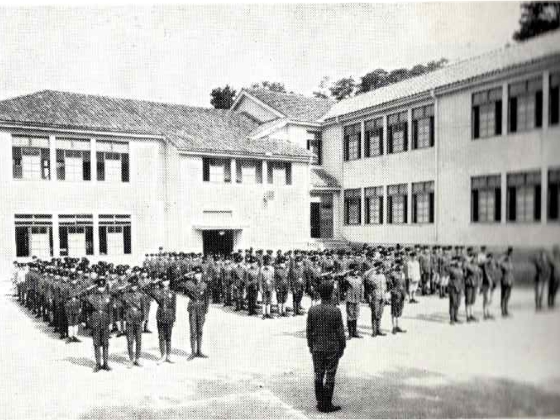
x,y
404,393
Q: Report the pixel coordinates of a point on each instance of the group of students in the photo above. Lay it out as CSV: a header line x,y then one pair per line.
x,y
107,298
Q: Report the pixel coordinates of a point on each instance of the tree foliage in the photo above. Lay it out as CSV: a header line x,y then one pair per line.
x,y
537,18
273,86
343,88
222,98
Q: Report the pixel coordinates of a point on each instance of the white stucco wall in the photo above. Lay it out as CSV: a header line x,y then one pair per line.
x,y
257,111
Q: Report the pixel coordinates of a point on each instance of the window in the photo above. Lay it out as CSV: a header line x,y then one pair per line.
x,y
486,199
314,145
216,170
33,234
423,127
525,105
352,142
115,234
423,202
397,204
374,205
353,207
249,172
73,162
524,197
112,161
397,127
554,92
279,173
75,233
554,194
487,113
31,158
374,137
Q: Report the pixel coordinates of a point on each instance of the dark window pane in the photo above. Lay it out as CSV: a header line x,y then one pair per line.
x,y
206,169
103,240
432,207
511,198
45,164
127,240
538,108
474,205
100,166
63,238
498,112
537,205
512,115
554,105
22,241
125,170
288,173
498,204
89,240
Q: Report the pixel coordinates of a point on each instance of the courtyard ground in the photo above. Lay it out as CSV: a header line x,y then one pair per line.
x,y
256,369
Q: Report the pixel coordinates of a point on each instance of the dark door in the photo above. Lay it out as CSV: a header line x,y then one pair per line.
x,y
315,220
217,241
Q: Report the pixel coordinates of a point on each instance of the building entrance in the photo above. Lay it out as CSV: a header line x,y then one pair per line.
x,y
217,242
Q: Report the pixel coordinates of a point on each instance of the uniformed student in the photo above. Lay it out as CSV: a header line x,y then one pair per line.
x,y
165,316
413,275
297,284
199,301
377,296
354,296
239,278
227,280
506,265
471,273
489,281
282,282
73,310
266,285
398,295
252,285
555,277
102,304
455,289
544,269
134,310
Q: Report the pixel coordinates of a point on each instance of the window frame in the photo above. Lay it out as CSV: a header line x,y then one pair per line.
x,y
374,128
491,183
107,221
488,97
423,113
352,196
397,122
397,191
316,142
524,89
375,194
427,189
553,195
525,180
34,146
350,131
554,99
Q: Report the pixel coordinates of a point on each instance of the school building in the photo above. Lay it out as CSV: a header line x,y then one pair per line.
x,y
467,154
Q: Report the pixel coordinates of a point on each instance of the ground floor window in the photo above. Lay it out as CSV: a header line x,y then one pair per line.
x,y
33,235
486,199
423,202
374,205
352,207
115,234
524,197
397,204
75,233
554,194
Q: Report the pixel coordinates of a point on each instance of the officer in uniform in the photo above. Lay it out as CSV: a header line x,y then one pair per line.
x,y
544,273
73,308
165,316
253,275
134,310
456,286
147,302
297,284
354,296
472,275
313,274
227,280
398,294
239,277
506,266
377,291
199,301
282,283
266,285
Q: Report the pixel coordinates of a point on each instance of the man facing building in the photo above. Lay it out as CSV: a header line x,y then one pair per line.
x,y
326,341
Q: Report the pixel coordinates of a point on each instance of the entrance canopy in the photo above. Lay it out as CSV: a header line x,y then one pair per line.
x,y
219,227
219,220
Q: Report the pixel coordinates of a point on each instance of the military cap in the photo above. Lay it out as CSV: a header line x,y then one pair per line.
x,y
197,269
133,279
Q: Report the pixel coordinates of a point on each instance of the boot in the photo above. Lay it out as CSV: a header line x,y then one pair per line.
x,y
97,352
193,350
328,407
355,327
373,328
319,395
106,358
199,353
168,357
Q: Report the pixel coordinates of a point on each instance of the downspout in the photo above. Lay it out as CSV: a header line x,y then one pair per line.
x,y
436,157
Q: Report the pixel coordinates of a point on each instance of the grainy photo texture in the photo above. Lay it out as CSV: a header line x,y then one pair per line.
x,y
280,211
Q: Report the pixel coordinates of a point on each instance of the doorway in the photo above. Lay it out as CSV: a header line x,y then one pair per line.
x,y
217,242
315,220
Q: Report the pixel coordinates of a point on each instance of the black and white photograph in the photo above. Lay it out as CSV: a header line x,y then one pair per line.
x,y
279,210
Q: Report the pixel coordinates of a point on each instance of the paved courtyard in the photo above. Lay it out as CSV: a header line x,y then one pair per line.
x,y
263,369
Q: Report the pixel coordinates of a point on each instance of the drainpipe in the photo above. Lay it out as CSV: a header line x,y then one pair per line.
x,y
436,157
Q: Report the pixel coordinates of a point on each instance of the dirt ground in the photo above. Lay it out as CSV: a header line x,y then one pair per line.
x,y
262,368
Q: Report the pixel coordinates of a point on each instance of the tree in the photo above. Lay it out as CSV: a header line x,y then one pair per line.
x,y
222,98
537,18
343,88
373,80
323,91
273,86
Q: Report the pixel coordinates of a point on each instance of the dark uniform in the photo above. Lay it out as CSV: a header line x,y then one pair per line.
x,y
165,317
199,300
134,311
455,288
102,304
252,278
297,283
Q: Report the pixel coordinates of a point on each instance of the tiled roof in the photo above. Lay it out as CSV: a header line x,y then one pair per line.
x,y
262,129
322,179
542,47
295,107
189,128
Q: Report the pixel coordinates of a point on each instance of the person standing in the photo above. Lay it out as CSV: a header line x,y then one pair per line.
x,y
506,266
73,310
266,285
239,276
377,291
253,275
413,274
555,277
102,304
471,272
227,280
489,271
354,296
297,281
455,288
326,342
199,300
134,312
165,316
542,277
281,281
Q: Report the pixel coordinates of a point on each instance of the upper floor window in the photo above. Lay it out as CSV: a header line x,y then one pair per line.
x,y
353,207
423,202
423,127
554,194
31,158
525,105
397,204
279,173
33,234
249,171
554,92
216,170
524,197
397,127
314,145
486,199
73,160
374,205
352,142
487,113
115,235
374,137
112,161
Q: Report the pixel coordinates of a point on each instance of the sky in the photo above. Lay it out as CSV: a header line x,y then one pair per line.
x,y
179,53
